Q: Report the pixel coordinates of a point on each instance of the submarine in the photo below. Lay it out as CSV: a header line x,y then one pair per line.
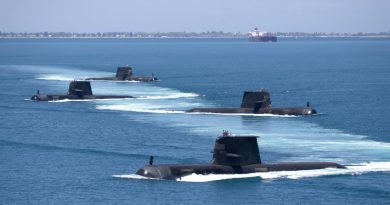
x,y
77,90
258,102
231,155
125,73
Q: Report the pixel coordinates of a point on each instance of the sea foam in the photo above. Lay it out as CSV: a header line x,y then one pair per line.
x,y
352,169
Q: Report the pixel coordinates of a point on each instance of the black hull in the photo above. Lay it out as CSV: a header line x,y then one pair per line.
x,y
258,102
78,90
40,97
173,172
263,39
140,79
275,111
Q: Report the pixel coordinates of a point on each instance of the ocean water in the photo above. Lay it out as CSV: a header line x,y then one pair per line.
x,y
86,152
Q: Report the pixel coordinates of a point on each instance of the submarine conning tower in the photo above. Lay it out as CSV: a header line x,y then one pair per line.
x,y
124,73
256,99
236,151
80,88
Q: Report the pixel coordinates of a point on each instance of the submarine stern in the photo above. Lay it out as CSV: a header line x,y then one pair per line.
x,y
290,111
296,166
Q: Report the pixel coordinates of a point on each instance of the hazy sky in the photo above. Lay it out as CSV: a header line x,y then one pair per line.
x,y
194,15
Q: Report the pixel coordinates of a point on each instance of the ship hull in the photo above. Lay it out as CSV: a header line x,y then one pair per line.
x,y
263,39
172,172
41,97
274,111
140,79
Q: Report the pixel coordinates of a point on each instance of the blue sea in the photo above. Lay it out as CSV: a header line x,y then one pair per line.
x,y
87,152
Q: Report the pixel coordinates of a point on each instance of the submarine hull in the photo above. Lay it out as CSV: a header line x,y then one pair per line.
x,y
125,73
78,90
172,172
259,102
275,111
41,97
231,155
140,79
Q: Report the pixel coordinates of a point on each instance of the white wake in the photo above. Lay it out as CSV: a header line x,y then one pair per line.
x,y
350,170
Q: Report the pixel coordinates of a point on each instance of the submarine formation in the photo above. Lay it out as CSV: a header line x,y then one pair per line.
x,y
125,73
77,90
259,102
231,155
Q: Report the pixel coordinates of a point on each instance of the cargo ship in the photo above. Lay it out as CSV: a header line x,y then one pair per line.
x,y
259,36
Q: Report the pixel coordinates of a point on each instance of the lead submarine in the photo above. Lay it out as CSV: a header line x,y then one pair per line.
x,y
231,155
259,102
78,90
125,73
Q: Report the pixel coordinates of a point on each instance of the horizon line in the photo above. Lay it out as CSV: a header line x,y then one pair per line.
x,y
197,32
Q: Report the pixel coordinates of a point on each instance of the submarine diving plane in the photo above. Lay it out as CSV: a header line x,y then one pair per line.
x,y
78,90
258,102
125,73
231,155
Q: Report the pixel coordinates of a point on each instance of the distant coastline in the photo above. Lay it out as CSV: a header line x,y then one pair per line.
x,y
200,35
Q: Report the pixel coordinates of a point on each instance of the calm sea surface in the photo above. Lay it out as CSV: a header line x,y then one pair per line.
x,y
86,152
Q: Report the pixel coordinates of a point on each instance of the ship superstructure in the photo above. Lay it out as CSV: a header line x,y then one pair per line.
x,y
261,36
